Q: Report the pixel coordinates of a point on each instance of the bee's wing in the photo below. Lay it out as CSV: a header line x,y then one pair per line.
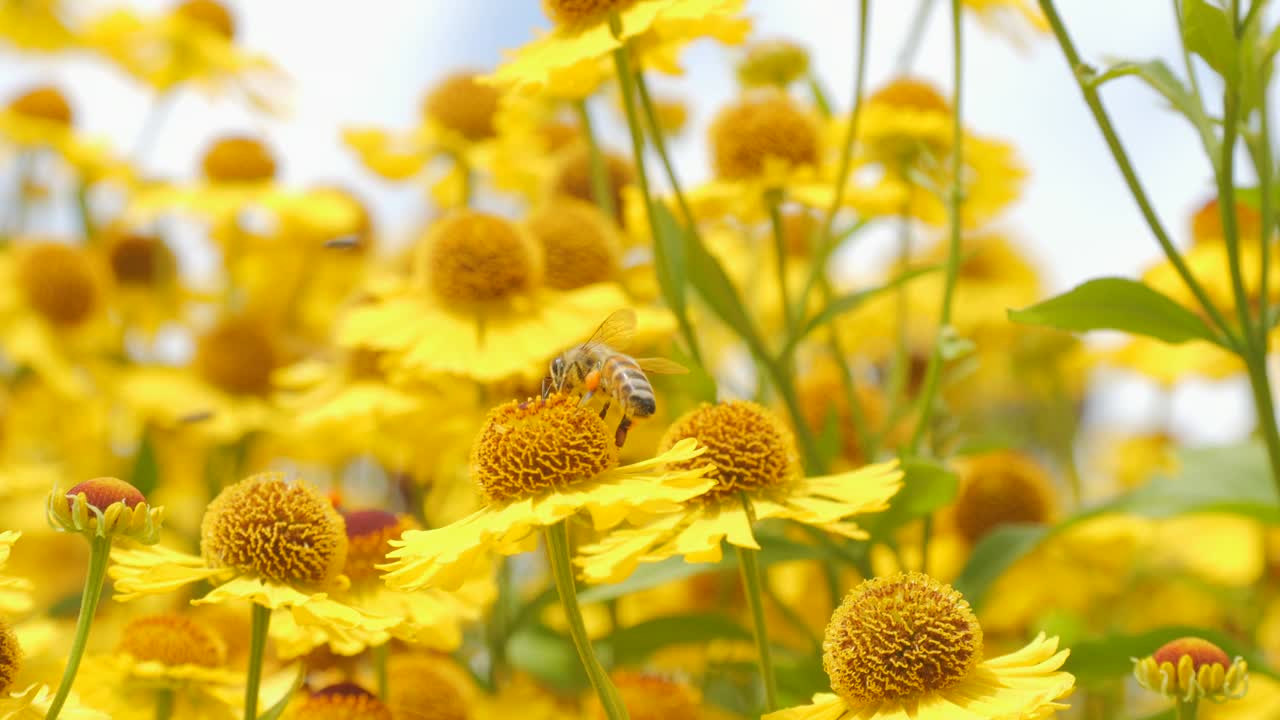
x,y
661,366
616,331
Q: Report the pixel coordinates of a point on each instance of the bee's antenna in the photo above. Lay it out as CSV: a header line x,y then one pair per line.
x,y
546,387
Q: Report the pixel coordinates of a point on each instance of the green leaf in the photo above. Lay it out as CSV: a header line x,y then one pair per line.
x,y
1157,76
646,576
546,655
1207,32
926,487
632,645
1107,658
669,258
145,474
1118,304
993,554
717,290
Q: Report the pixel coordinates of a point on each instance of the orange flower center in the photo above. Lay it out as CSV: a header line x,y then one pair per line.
x,y
238,159
463,104
748,446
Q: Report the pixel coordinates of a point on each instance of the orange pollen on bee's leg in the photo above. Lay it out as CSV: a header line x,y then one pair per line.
x,y
592,380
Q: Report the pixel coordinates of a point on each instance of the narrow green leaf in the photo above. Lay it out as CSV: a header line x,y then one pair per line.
x,y
1118,304
546,655
1207,32
993,555
145,474
1160,78
717,290
926,487
633,645
669,258
1108,658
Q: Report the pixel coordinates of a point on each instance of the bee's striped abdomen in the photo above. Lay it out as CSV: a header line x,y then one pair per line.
x,y
630,386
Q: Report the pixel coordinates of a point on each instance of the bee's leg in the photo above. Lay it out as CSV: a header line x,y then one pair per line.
x,y
604,410
586,397
546,387
620,436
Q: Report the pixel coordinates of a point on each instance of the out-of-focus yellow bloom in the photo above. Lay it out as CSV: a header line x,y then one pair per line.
x,y
15,592
1206,223
777,63
907,646
1262,702
36,25
538,463
33,704
568,62
1134,460
193,43
1010,18
41,118
750,452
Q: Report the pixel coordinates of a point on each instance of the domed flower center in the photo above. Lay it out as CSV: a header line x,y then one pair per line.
x,y
58,282
579,242
1002,488
913,120
748,446
1206,224
104,492
284,531
775,63
580,12
172,640
10,656
899,637
425,686
473,257
463,104
1201,651
529,447
344,701
44,103
574,175
237,356
211,14
238,159
654,697
911,94
1191,668
746,136
368,536
139,260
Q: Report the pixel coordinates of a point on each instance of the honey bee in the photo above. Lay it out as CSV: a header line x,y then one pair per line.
x,y
599,365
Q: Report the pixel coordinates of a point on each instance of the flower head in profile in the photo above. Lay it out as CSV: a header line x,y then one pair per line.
x,y
773,63
42,119
571,60
105,507
908,646
539,462
477,305
1190,669
265,540
755,466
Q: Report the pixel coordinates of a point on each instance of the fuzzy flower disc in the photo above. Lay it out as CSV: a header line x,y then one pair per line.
x,y
10,656
900,637
58,282
526,448
284,531
754,130
213,15
421,687
237,356
580,12
746,444
139,259
574,175
654,697
44,103
238,159
343,701
473,257
368,536
910,94
464,105
579,242
1002,488
172,640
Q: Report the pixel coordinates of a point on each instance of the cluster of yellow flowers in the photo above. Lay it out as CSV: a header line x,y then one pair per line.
x,y
339,455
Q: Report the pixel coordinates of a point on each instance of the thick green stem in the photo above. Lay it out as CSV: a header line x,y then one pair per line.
x,y
911,45
164,704
1265,407
1091,97
955,198
380,670
749,566
99,555
1187,709
599,172
1263,166
557,538
261,620
500,625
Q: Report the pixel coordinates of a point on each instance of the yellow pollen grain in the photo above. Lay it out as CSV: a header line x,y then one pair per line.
x,y
898,638
424,687
533,446
1001,488
211,14
748,446
238,159
172,640
473,257
579,243
574,175
10,656
463,104
44,103
755,129
572,13
58,282
238,356
284,531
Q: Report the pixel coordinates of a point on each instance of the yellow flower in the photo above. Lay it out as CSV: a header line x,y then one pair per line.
x,y
106,507
568,62
342,701
15,592
775,63
1262,703
194,43
476,307
1010,18
425,685
1192,668
164,653
757,474
36,25
42,118
908,647
428,618
1206,223
275,543
33,702
538,463
650,696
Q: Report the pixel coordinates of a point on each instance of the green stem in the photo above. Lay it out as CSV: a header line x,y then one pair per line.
x,y
749,566
954,200
500,625
84,212
820,98
1186,57
1121,157
557,537
1187,709
261,620
99,555
380,670
1263,168
1265,408
164,704
911,46
599,172
773,199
